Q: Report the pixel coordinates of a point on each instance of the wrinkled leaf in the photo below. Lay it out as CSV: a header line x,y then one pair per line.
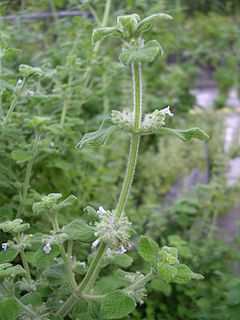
x,y
14,226
21,156
8,255
184,274
185,135
69,201
98,137
123,260
147,22
47,204
9,309
116,305
145,54
79,230
166,272
6,270
29,71
128,23
169,255
100,33
148,249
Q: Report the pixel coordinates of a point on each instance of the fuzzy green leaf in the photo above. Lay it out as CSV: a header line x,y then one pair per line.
x,y
14,226
148,249
79,230
129,24
116,305
169,255
38,122
123,260
47,204
185,135
29,71
166,272
101,33
9,309
145,54
98,137
184,274
21,156
6,270
147,22
69,201
8,255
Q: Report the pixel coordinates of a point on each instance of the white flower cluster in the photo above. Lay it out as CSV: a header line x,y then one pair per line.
x,y
123,119
114,232
150,124
139,293
155,120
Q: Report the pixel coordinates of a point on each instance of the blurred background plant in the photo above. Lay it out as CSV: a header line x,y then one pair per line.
x,y
76,84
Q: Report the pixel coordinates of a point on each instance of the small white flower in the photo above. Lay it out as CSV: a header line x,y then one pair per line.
x,y
101,211
167,111
47,248
19,82
83,264
4,246
122,250
31,93
95,243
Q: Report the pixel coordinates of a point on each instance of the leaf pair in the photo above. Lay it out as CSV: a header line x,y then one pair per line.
x,y
107,128
6,270
49,204
128,26
15,226
146,53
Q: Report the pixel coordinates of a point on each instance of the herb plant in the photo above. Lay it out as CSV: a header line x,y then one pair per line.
x,y
61,285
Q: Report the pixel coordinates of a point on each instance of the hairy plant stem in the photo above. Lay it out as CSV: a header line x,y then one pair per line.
x,y
27,309
14,102
141,281
69,248
135,139
28,174
96,297
65,258
24,260
93,270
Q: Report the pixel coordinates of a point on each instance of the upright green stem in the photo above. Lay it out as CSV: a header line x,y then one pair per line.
x,y
68,305
14,101
65,258
28,175
24,260
33,314
135,139
90,276
69,248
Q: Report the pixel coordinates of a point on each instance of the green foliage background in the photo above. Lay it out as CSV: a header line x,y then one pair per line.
x,y
204,37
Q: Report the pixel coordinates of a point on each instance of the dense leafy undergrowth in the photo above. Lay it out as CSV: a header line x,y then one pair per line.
x,y
47,233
